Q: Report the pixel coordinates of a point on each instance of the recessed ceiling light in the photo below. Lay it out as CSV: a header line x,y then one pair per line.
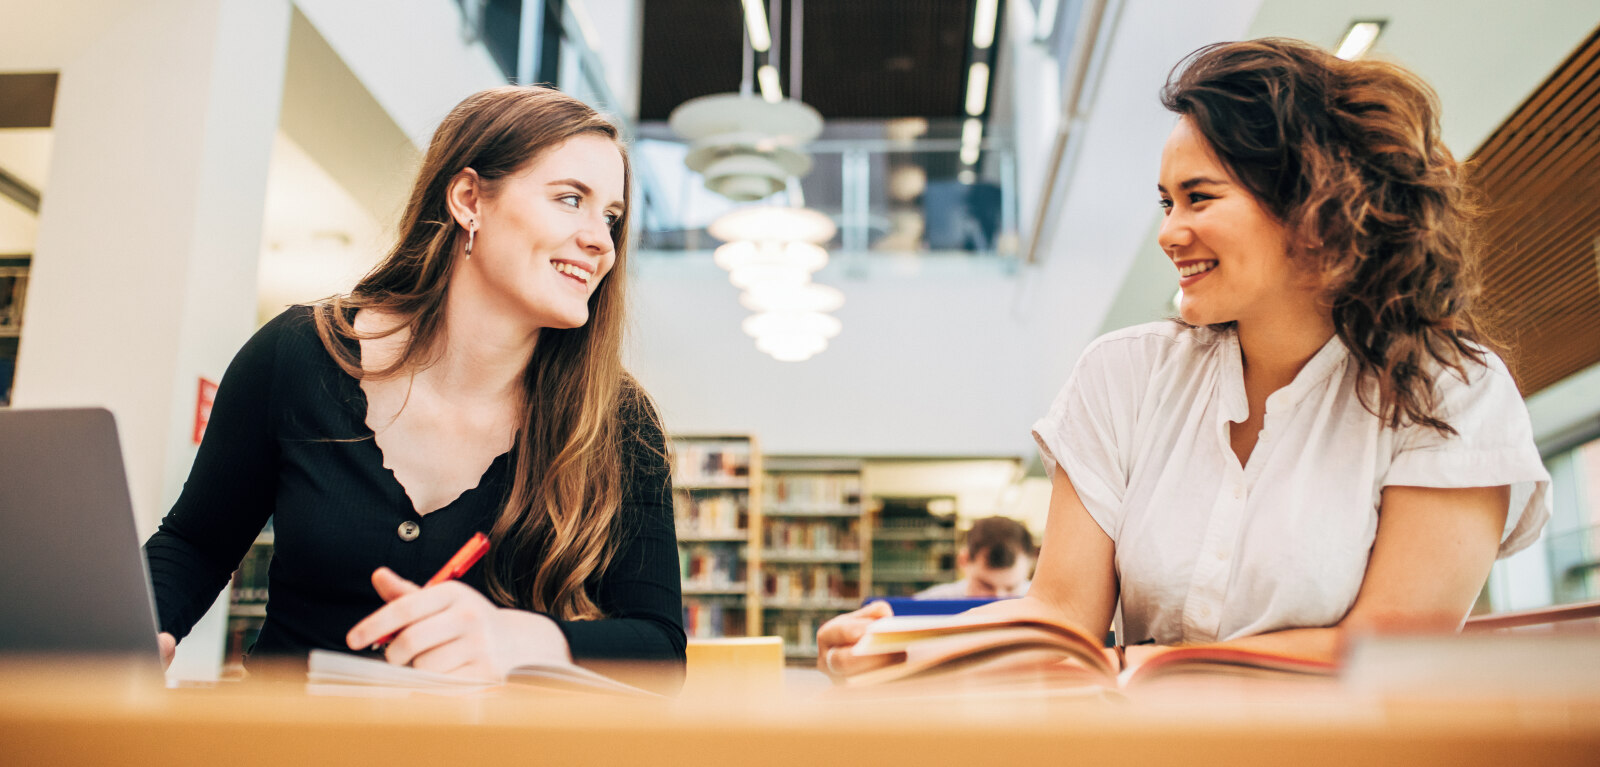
x,y
1358,39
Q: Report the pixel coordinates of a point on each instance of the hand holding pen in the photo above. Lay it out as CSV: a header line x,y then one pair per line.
x,y
457,566
449,627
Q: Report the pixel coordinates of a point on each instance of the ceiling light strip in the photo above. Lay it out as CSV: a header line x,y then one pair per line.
x,y
983,23
977,88
771,90
755,23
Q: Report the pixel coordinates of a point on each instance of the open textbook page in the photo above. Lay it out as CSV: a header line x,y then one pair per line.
x,y
1043,652
338,673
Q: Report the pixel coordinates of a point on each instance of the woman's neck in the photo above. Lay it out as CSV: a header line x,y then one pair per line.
x,y
483,352
1274,351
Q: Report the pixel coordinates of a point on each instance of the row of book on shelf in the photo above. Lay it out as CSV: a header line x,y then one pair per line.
x,y
710,567
247,608
799,632
907,556
812,584
710,462
813,491
250,580
824,536
715,513
703,619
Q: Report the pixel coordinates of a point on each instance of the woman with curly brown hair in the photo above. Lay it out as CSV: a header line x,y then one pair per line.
x,y
1323,443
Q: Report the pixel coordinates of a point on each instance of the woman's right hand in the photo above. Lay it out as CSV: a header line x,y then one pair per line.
x,y
168,646
838,636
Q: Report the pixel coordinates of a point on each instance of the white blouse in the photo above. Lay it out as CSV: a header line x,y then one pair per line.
x,y
1208,550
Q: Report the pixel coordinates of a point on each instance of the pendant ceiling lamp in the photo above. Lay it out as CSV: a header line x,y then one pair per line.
x,y
745,147
748,148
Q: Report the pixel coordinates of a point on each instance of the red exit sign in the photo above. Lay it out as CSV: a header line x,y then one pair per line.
x,y
202,407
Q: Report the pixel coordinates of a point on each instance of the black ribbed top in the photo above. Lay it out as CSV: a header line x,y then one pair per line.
x,y
287,439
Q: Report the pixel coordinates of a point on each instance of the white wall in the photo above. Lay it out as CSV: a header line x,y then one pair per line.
x,y
926,364
143,276
145,262
408,53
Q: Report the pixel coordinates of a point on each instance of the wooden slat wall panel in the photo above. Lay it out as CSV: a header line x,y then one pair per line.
x,y
1540,175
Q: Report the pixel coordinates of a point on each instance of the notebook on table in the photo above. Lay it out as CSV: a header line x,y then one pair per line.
x,y
74,577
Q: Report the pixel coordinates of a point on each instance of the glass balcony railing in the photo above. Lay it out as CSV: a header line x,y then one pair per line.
x,y
887,197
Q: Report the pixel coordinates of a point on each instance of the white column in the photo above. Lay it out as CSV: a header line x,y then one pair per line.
x,y
144,272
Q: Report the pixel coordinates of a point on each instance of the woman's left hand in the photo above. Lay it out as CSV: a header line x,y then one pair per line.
x,y
451,628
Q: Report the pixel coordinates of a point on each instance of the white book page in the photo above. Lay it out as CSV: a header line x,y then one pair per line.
x,y
331,669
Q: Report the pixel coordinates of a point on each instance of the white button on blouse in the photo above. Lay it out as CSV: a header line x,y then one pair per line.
x,y
1142,430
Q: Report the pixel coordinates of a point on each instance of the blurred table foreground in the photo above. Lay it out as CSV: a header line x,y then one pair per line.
x,y
83,713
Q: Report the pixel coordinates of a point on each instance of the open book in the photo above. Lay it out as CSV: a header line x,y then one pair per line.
x,y
1002,648
337,673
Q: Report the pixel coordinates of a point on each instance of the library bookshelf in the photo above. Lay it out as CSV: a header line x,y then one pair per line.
x,y
913,543
814,544
247,603
716,501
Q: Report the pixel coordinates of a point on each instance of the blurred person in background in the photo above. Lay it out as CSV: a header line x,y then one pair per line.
x,y
995,562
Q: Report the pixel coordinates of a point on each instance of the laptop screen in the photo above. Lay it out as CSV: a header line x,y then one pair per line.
x,y
74,577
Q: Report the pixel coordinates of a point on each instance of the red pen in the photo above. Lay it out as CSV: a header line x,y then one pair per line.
x,y
475,548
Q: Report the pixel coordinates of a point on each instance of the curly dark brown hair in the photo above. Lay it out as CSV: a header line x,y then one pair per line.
x,y
1347,156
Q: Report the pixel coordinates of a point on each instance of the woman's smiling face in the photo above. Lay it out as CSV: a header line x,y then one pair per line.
x,y
1232,255
544,238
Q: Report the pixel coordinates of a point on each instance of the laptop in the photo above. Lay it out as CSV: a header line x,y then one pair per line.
x,y
73,580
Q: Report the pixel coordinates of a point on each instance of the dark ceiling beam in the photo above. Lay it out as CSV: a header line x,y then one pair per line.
x,y
27,100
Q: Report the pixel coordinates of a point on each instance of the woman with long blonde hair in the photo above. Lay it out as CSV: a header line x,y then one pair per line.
x,y
471,382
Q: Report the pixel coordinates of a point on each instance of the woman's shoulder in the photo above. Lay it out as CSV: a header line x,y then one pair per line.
x,y
1478,383
295,326
288,340
296,320
1153,346
636,411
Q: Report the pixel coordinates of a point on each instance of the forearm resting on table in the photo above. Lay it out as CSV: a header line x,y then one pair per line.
x,y
1329,643
1032,606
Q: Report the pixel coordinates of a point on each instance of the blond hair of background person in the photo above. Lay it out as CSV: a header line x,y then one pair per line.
x,y
1324,443
472,381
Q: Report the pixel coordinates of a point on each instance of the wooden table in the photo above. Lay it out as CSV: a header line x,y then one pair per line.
x,y
80,714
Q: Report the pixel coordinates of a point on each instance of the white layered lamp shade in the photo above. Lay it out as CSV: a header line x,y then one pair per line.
x,y
738,255
743,177
791,347
773,223
815,324
757,276
807,297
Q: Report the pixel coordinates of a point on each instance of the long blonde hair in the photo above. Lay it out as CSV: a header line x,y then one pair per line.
x,y
561,517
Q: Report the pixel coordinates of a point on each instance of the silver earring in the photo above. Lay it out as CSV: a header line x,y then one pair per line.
x,y
472,233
